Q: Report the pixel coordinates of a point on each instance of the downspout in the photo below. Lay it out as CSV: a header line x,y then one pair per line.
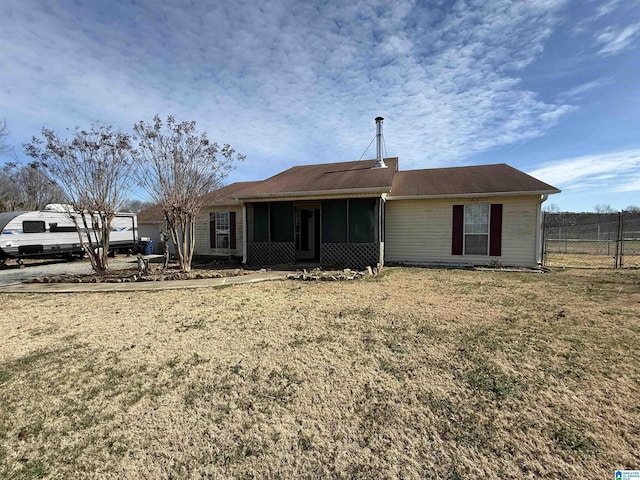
x,y
539,239
382,226
244,233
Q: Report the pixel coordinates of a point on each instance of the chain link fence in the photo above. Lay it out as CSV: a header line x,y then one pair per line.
x,y
592,240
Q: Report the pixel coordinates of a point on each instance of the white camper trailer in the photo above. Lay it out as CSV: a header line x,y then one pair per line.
x,y
52,233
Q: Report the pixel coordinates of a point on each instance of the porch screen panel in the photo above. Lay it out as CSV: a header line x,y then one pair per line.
x,y
282,222
260,222
362,220
334,221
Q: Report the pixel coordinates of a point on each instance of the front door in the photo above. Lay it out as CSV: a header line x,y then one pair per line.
x,y
307,238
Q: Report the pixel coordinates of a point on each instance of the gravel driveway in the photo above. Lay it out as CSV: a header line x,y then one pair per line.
x,y
11,274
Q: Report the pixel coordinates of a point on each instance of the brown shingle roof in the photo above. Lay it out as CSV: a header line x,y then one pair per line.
x,y
151,215
227,195
223,196
481,179
327,177
345,176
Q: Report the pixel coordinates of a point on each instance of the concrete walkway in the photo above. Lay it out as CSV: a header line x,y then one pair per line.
x,y
143,286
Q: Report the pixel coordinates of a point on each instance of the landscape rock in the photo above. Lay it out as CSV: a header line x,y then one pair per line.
x,y
331,275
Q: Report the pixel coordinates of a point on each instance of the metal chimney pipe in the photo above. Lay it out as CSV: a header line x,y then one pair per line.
x,y
380,161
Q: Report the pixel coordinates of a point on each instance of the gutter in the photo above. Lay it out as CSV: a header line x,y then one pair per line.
x,y
470,195
356,191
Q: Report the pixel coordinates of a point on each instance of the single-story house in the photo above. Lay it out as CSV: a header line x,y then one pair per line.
x,y
354,214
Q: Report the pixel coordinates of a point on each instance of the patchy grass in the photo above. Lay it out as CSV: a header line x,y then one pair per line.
x,y
601,259
418,374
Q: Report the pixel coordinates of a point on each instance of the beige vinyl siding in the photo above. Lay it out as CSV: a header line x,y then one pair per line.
x,y
203,242
419,231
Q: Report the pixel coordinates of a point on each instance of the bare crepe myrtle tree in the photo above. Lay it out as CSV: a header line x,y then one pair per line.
x,y
94,170
177,165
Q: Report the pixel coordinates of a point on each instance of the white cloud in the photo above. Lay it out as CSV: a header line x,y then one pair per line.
x,y
615,172
606,8
578,91
601,11
293,81
617,39
631,184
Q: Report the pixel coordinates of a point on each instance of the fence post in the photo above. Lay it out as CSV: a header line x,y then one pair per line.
x,y
618,256
621,239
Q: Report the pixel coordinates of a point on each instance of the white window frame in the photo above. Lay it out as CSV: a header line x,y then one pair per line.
x,y
223,230
476,228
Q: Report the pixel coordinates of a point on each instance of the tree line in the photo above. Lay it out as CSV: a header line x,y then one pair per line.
x,y
96,171
599,208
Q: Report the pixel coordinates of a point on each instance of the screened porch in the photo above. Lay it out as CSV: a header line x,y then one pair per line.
x,y
328,233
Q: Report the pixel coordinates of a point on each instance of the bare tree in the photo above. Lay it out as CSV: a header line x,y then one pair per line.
x,y
551,208
633,208
27,187
9,192
135,205
4,133
603,208
37,189
177,165
94,171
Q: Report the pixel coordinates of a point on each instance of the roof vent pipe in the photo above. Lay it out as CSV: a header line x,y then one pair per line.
x,y
380,161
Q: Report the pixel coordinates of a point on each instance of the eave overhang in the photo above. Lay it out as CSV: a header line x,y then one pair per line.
x,y
391,197
371,192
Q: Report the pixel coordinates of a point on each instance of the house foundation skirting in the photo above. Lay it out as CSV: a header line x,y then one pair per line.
x,y
271,253
350,255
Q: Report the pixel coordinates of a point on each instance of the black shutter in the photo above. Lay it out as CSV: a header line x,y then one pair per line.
x,y
232,230
495,230
457,232
212,229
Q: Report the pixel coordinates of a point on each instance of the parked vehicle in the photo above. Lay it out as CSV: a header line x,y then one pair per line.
x,y
52,233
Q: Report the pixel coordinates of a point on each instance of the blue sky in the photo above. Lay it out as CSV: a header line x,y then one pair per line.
x,y
551,87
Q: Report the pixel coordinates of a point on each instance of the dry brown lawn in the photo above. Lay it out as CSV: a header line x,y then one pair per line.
x,y
586,260
416,374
